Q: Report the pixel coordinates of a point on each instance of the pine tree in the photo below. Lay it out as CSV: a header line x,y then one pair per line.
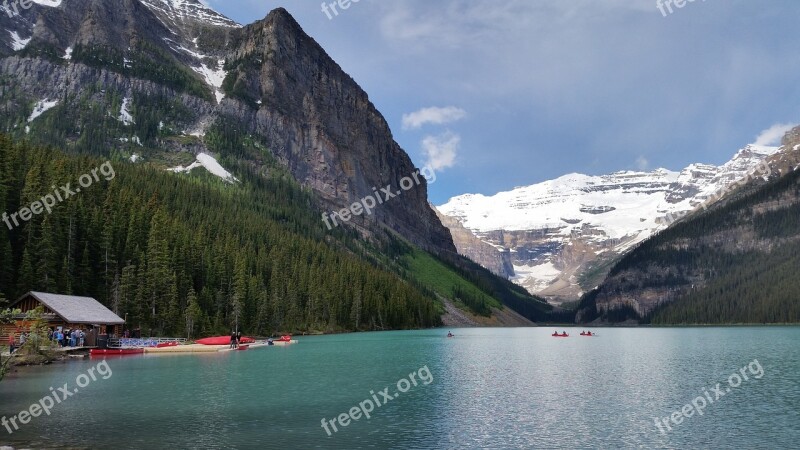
x,y
48,257
355,310
193,313
158,267
27,275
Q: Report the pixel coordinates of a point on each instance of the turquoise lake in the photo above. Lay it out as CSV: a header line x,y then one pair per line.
x,y
487,388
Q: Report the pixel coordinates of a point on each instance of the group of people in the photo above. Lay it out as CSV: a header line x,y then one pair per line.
x,y
12,342
235,339
133,334
68,338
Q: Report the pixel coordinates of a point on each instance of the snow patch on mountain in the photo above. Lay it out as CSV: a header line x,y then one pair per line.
x,y
543,274
40,108
17,43
214,77
124,113
178,11
50,3
210,164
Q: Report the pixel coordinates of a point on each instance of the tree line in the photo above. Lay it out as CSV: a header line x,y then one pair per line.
x,y
181,255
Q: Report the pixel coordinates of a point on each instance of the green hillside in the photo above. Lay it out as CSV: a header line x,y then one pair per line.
x,y
735,263
148,243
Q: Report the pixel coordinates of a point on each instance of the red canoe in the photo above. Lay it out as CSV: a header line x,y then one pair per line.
x,y
559,335
115,351
243,347
167,344
224,340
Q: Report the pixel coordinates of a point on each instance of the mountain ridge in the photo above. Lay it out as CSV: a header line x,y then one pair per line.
x,y
734,262
561,235
268,80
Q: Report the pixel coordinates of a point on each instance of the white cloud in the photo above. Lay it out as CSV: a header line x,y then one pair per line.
x,y
441,151
433,115
773,135
642,163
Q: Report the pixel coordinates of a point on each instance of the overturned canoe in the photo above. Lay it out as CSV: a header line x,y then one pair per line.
x,y
223,340
115,351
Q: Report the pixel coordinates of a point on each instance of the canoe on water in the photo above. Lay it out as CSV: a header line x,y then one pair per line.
x,y
224,340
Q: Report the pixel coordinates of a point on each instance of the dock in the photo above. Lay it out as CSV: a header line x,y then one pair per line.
x,y
199,348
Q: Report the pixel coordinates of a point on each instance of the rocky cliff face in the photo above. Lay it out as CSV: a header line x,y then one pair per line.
x,y
563,235
324,127
490,257
154,78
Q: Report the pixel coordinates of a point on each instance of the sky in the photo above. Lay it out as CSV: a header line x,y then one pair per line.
x,y
495,94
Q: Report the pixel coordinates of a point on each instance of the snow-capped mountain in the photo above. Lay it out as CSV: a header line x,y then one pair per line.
x,y
560,234
178,11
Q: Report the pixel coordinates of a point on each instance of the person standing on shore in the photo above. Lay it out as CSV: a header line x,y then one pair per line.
x,y
234,342
11,342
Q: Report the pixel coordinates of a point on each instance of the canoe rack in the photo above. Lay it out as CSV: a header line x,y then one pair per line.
x,y
142,342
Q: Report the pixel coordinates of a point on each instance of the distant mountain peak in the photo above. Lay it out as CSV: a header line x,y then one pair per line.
x,y
195,10
282,13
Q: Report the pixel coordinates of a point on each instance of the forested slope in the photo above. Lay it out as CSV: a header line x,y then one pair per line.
x,y
735,263
149,243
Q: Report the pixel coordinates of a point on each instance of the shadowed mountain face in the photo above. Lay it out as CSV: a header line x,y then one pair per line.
x,y
157,80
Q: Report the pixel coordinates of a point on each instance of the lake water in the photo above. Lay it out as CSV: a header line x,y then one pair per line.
x,y
487,388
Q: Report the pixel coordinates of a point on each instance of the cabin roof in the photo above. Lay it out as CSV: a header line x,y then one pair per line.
x,y
74,309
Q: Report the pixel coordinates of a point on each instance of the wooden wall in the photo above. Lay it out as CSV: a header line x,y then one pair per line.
x,y
29,303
